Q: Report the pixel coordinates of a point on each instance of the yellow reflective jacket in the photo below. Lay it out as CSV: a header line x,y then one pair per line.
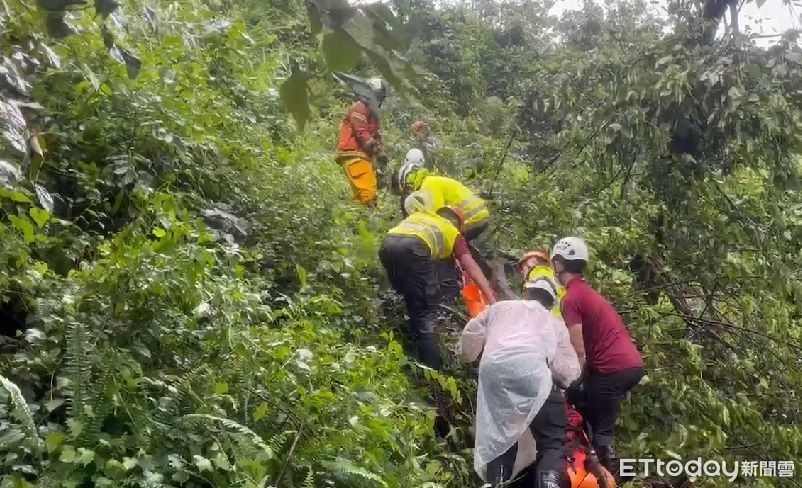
x,y
438,233
447,192
547,272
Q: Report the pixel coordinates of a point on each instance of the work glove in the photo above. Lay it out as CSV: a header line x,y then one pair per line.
x,y
576,394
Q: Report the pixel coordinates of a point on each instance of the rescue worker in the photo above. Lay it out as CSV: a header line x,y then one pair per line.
x,y
408,254
527,360
534,264
360,145
413,156
611,364
428,144
413,176
443,191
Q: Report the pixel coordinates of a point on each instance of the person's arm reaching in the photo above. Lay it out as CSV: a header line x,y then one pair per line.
x,y
473,337
565,367
475,272
575,333
573,321
462,253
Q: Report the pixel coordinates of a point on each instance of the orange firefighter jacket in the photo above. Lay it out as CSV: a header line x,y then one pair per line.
x,y
360,133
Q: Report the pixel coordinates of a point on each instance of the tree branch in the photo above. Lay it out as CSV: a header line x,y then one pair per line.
x,y
287,459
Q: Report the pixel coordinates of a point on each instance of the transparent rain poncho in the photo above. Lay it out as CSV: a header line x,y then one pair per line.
x,y
523,347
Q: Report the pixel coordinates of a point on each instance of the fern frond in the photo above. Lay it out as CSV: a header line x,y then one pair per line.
x,y
100,404
78,367
309,482
165,416
231,425
277,442
21,410
186,382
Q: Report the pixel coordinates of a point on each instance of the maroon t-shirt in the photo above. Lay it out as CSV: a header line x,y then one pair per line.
x,y
608,346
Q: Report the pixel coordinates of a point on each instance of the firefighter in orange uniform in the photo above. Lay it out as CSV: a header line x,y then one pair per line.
x,y
360,145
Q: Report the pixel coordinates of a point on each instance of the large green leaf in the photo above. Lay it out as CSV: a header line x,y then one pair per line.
x,y
294,94
39,215
124,56
57,27
314,18
383,65
334,14
59,5
104,8
341,51
24,225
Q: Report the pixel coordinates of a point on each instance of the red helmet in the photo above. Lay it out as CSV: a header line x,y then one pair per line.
x,y
537,254
418,126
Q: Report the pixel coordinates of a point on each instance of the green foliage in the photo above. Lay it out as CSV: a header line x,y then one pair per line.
x,y
23,414
204,307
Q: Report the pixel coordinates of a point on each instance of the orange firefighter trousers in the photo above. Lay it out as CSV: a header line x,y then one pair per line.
x,y
362,179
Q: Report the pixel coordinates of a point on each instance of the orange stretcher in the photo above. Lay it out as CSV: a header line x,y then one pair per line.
x,y
475,301
582,462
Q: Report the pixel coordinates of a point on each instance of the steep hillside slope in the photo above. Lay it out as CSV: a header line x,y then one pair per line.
x,y
189,298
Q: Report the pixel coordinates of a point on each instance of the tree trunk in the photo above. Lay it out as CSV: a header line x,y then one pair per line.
x,y
736,31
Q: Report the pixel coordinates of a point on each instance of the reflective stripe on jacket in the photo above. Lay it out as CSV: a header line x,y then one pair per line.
x,y
447,192
438,233
547,272
360,133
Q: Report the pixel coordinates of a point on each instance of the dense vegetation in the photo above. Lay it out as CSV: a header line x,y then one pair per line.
x,y
188,298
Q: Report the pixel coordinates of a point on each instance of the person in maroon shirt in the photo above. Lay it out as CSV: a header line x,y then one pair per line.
x,y
611,364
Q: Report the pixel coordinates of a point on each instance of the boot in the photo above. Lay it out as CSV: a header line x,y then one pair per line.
x,y
442,421
429,350
550,479
603,477
609,459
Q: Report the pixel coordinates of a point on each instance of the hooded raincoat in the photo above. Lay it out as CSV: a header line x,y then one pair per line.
x,y
526,349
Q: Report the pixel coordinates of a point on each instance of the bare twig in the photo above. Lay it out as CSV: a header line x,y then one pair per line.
x,y
727,325
500,164
287,459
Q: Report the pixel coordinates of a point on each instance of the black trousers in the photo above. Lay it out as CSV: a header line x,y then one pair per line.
x,y
602,402
411,270
548,429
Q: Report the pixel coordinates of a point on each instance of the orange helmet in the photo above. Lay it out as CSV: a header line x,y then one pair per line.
x,y
454,210
537,254
418,126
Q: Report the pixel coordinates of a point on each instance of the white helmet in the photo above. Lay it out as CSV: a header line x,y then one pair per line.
x,y
571,249
407,169
414,156
417,202
379,88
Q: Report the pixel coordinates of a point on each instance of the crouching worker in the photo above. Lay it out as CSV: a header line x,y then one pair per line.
x,y
534,264
526,359
408,254
442,192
